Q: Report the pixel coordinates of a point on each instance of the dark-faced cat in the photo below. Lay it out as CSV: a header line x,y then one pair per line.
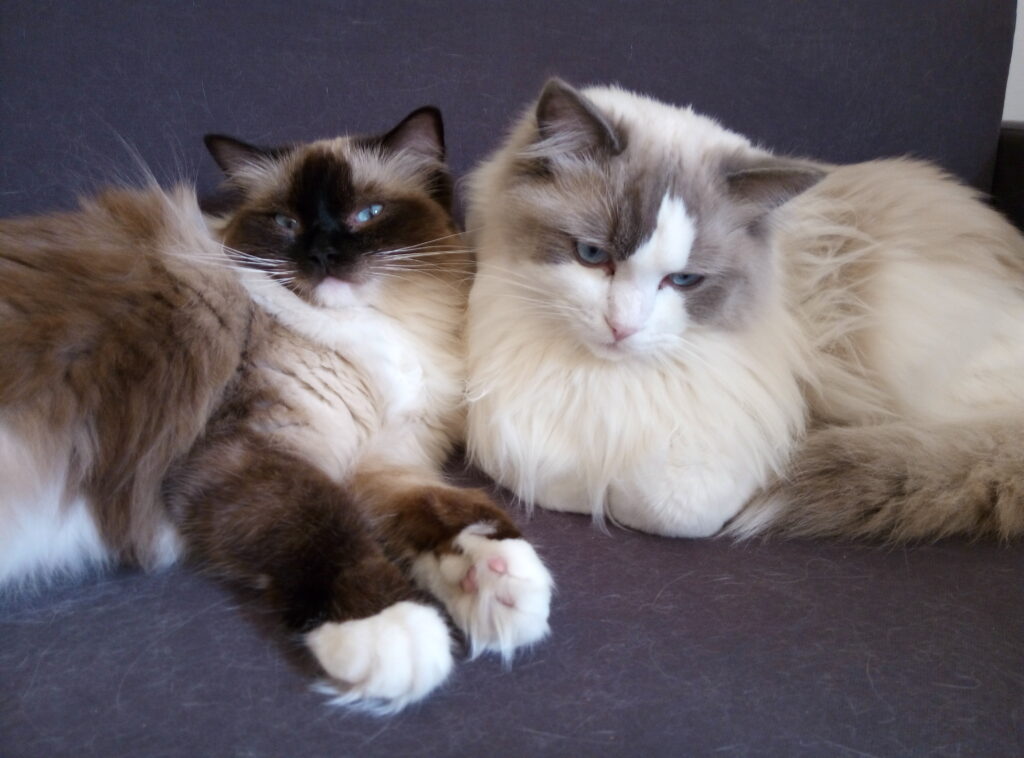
x,y
272,394
680,331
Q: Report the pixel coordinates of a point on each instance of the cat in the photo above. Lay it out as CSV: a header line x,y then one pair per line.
x,y
687,335
272,394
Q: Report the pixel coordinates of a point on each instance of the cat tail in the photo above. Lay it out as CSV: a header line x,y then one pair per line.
x,y
897,482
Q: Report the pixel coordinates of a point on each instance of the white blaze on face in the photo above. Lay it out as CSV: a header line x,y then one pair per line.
x,y
633,293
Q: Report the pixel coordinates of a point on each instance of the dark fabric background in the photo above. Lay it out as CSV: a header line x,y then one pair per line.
x,y
659,647
839,81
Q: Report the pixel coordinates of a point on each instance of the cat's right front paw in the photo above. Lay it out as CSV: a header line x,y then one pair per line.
x,y
497,590
384,662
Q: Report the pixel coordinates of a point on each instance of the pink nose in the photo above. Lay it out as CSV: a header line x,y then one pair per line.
x,y
620,332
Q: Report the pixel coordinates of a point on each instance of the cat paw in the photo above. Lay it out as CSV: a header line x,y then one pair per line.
x,y
497,591
384,662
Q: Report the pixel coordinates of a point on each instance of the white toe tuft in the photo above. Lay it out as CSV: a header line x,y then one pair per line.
x,y
384,662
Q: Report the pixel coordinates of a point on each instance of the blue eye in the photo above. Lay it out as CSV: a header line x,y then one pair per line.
x,y
684,280
591,255
369,212
286,222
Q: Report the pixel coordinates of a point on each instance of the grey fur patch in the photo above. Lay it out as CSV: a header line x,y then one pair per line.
x,y
580,178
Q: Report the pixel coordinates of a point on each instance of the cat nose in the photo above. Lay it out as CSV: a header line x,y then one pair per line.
x,y
321,256
619,331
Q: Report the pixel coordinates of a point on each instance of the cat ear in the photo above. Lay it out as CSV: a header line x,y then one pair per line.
x,y
421,133
773,182
233,155
570,120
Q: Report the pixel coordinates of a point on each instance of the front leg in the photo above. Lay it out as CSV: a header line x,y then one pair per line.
x,y
466,551
269,522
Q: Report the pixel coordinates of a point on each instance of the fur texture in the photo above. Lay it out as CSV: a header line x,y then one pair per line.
x,y
274,398
676,330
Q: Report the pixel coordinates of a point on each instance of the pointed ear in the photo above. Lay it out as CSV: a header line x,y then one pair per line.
x,y
421,133
567,117
773,181
232,154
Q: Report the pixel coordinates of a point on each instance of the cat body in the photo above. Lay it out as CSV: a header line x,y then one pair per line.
x,y
272,394
678,331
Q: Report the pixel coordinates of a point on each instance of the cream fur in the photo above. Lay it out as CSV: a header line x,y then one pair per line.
x,y
895,294
401,380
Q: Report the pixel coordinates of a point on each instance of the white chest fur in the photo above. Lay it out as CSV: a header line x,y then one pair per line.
x,y
665,445
362,379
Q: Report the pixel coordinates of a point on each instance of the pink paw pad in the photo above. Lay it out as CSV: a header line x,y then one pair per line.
x,y
497,564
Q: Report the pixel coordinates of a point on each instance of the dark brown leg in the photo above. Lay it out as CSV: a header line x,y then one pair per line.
x,y
267,521
264,519
413,511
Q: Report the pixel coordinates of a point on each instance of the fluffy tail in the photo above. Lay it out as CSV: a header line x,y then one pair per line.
x,y
898,482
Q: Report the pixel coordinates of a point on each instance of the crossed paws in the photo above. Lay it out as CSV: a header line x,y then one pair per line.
x,y
497,591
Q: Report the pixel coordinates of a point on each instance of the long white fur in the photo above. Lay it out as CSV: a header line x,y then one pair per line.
x,y
673,436
385,661
45,532
676,436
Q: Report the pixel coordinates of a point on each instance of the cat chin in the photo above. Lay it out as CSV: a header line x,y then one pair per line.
x,y
335,293
618,351
611,351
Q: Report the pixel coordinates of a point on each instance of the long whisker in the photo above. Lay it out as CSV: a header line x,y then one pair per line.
x,y
422,244
408,274
547,305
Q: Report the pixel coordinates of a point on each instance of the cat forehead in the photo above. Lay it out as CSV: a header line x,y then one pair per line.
x,y
340,168
670,153
624,203
670,243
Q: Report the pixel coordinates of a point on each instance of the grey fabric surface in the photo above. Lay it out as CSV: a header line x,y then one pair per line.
x,y
659,647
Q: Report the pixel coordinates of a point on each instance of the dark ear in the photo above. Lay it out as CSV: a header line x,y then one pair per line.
x,y
565,114
421,132
232,154
773,181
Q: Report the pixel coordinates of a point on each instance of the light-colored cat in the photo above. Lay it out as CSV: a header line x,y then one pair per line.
x,y
674,329
275,402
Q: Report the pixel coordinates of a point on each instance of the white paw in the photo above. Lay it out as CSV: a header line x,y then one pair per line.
x,y
386,661
497,591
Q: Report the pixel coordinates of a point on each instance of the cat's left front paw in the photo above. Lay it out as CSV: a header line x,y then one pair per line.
x,y
497,591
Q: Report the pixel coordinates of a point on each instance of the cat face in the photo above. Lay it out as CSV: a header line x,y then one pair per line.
x,y
634,222
333,220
